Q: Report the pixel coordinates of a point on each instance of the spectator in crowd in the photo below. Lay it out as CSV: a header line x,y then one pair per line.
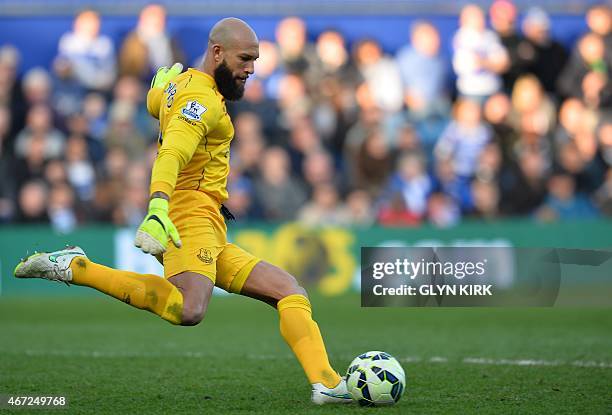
x,y
464,138
526,188
533,116
497,110
33,202
334,58
278,192
122,130
7,186
11,93
605,141
489,167
37,86
447,182
62,212
503,19
531,107
110,186
373,163
68,94
381,75
32,165
395,213
129,91
297,55
599,21
77,125
479,58
264,107
324,209
563,202
579,158
95,110
424,72
543,55
248,146
575,121
55,172
267,68
5,130
39,127
603,196
588,63
318,169
303,141
91,55
442,211
80,171
148,46
241,198
413,183
293,100
367,122
358,208
335,110
135,196
485,196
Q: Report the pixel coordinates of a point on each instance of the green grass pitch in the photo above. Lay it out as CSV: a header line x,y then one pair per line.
x,y
108,358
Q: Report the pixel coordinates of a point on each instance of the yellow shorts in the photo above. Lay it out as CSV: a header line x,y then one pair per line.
x,y
205,249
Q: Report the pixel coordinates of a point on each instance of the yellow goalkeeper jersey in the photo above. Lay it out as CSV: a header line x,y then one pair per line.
x,y
194,138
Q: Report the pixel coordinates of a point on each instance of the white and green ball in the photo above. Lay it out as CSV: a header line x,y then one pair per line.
x,y
375,378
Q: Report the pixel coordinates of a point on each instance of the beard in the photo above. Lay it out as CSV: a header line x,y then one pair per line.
x,y
228,85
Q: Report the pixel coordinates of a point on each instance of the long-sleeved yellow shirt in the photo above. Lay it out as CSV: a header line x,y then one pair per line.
x,y
195,135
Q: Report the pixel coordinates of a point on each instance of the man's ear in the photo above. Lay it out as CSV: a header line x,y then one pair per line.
x,y
217,53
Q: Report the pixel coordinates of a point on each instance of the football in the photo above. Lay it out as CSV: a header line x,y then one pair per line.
x,y
375,378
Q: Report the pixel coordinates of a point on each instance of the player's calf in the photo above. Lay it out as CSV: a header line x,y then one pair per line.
x,y
271,284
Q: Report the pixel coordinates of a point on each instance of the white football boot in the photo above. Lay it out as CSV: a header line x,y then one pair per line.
x,y
322,395
54,266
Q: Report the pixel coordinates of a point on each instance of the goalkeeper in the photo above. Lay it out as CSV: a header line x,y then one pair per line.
x,y
185,226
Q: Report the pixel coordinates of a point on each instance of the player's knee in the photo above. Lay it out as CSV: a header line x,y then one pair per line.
x,y
192,315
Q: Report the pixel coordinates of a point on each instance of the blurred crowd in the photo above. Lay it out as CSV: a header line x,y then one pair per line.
x,y
511,124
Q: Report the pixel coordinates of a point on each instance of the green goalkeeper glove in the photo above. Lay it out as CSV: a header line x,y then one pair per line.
x,y
165,75
152,235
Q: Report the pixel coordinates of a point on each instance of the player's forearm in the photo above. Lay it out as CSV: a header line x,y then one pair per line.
x,y
164,174
172,157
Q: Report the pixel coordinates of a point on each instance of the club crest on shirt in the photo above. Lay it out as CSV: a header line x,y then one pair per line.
x,y
193,110
205,256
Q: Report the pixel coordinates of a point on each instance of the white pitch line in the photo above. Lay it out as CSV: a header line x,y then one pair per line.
x,y
534,362
405,359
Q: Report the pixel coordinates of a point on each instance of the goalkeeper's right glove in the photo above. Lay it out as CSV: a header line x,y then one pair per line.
x,y
152,235
165,75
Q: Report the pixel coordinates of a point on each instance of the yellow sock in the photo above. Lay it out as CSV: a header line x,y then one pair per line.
x,y
144,291
303,337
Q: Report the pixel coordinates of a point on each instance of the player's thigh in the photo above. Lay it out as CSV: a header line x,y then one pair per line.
x,y
197,291
234,265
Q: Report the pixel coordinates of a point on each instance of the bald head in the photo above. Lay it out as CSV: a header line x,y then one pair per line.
x,y
232,32
230,57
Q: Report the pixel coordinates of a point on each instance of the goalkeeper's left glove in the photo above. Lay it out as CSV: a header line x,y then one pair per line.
x,y
165,75
152,236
